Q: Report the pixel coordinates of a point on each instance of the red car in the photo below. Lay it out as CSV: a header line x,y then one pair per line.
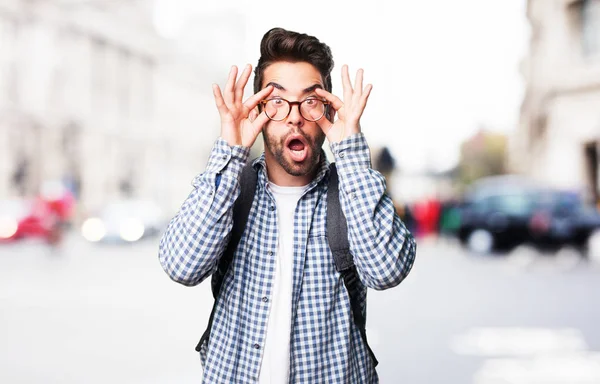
x,y
38,218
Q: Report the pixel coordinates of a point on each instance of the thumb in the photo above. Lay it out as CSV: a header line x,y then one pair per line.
x,y
260,120
253,115
324,124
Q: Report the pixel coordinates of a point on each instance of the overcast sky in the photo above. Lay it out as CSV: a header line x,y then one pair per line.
x,y
440,69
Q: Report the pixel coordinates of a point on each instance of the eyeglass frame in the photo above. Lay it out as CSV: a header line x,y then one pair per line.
x,y
298,103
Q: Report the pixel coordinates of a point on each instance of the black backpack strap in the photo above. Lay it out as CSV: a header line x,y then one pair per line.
x,y
337,233
241,211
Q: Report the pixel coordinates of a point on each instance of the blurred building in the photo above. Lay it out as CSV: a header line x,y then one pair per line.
x,y
558,140
91,95
481,155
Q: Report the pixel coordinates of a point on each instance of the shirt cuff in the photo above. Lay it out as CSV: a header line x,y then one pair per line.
x,y
352,153
225,159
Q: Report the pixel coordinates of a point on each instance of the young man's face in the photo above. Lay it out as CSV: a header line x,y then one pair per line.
x,y
292,145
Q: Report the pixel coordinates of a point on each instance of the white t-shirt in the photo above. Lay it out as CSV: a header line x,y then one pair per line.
x,y
276,356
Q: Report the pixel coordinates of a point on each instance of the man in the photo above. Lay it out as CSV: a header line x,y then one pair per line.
x,y
283,313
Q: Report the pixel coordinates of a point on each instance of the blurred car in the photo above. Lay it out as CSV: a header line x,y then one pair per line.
x,y
495,214
124,221
28,218
561,218
501,212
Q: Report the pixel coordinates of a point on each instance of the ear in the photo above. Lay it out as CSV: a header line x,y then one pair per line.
x,y
330,113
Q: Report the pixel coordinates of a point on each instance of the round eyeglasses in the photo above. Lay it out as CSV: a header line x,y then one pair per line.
x,y
311,109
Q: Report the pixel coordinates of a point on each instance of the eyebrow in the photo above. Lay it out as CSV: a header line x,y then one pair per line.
x,y
304,91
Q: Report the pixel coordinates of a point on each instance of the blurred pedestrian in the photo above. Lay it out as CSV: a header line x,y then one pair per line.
x,y
283,314
405,213
449,219
427,213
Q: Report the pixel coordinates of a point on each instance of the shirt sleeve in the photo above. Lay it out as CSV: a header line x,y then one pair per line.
x,y
383,249
197,236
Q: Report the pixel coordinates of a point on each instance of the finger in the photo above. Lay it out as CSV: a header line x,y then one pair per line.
x,y
256,98
346,83
335,101
358,83
260,121
270,110
228,91
241,83
219,100
365,96
253,115
316,113
324,124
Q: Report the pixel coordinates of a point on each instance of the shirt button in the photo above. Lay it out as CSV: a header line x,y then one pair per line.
x,y
353,196
270,253
265,299
224,157
256,346
272,207
341,155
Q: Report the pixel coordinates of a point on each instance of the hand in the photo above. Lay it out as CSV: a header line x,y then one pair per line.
x,y
349,111
240,122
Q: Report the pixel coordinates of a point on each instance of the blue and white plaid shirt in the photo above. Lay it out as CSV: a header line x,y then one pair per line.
x,y
326,346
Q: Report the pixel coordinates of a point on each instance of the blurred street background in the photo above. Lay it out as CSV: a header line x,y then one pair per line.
x,y
484,119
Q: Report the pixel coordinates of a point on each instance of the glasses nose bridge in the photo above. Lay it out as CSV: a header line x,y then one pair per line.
x,y
292,103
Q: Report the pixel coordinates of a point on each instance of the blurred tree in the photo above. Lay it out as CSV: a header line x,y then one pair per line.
x,y
484,154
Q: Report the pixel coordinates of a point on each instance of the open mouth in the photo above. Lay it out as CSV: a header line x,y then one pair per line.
x,y
297,147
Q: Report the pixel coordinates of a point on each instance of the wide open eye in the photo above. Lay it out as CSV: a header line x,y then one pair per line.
x,y
277,108
312,109
277,103
312,103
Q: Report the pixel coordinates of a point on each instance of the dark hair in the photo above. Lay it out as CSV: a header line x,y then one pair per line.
x,y
279,44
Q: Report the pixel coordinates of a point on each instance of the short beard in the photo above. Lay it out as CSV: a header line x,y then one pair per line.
x,y
291,167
